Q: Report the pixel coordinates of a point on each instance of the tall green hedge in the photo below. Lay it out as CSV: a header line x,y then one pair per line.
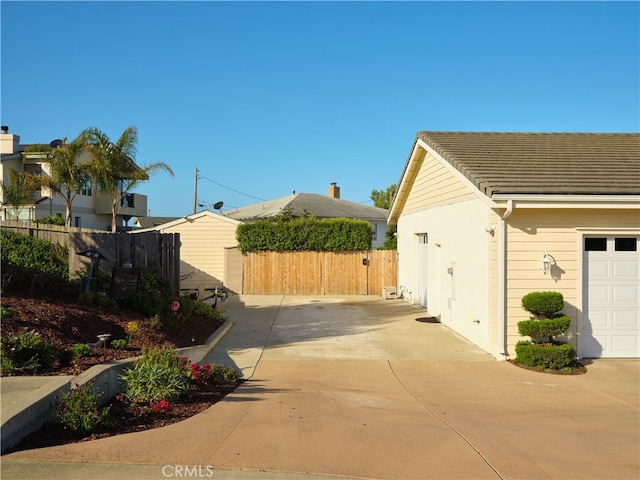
x,y
285,234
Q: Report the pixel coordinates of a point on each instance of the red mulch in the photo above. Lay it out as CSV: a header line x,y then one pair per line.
x,y
58,317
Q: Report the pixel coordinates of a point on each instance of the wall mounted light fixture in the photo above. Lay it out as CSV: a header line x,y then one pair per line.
x,y
546,263
490,229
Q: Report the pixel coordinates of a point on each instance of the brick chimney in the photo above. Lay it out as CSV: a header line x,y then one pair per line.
x,y
334,190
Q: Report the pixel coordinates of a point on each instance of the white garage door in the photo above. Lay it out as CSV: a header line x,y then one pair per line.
x,y
611,280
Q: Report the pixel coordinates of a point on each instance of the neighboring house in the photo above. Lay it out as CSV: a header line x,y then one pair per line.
x,y
150,222
485,218
209,254
320,206
89,209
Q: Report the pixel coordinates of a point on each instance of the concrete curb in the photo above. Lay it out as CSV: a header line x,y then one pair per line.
x,y
35,408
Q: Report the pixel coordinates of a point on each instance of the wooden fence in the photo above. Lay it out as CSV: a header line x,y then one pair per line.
x,y
149,249
319,273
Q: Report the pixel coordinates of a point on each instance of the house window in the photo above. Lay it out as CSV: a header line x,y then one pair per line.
x,y
86,189
595,244
374,231
127,200
626,244
77,223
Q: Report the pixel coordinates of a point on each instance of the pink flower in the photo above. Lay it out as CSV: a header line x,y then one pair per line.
x,y
175,306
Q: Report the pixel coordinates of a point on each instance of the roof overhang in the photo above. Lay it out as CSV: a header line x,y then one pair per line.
x,y
567,201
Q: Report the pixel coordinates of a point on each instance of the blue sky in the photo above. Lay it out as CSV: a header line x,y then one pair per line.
x,y
269,97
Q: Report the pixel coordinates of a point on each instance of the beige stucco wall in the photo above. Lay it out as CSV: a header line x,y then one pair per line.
x,y
531,232
455,219
202,253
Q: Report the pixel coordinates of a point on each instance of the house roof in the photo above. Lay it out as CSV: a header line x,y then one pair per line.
x,y
541,163
298,204
149,222
187,219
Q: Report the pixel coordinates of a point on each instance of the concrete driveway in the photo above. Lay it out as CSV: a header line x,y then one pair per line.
x,y
355,387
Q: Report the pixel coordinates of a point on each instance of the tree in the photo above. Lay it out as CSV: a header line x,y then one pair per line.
x,y
68,174
384,199
112,166
19,192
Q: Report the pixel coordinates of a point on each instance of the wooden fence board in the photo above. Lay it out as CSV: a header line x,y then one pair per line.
x,y
139,249
319,273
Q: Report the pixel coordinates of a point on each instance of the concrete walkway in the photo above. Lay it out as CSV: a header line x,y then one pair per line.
x,y
354,387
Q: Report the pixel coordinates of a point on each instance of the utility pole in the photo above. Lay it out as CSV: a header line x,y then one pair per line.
x,y
195,189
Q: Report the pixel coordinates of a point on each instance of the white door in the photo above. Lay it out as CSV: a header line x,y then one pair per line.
x,y
423,245
611,282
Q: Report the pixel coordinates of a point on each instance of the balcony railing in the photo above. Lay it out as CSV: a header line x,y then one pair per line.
x,y
132,205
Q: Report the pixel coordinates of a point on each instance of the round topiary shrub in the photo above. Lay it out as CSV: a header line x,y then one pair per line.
x,y
544,328
544,357
543,304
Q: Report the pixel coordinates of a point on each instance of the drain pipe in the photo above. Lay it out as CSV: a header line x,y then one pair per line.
x,y
502,281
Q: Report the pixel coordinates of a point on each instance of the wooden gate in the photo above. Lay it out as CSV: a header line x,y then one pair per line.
x,y
319,273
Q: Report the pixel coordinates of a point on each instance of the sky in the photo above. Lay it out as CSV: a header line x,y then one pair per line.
x,y
264,98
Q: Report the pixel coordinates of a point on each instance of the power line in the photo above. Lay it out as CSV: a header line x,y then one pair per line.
x,y
229,188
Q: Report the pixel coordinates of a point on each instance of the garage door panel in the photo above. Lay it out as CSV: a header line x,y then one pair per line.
x,y
599,269
599,294
625,319
624,343
598,319
625,293
624,269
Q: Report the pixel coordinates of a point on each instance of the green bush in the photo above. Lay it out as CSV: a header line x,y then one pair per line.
x,y
206,310
5,312
543,304
80,349
93,299
29,260
547,356
159,375
51,220
151,294
545,328
27,353
79,410
286,233
119,343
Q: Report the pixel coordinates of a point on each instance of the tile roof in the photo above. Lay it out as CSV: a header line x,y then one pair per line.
x,y
542,163
315,204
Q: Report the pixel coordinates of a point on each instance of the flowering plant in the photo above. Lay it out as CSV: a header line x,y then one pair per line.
x,y
79,410
161,406
132,328
206,374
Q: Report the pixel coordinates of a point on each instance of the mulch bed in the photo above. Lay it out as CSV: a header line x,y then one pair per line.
x,y
56,314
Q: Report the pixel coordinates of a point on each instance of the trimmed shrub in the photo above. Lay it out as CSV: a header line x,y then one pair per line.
x,y
544,328
544,356
543,304
286,233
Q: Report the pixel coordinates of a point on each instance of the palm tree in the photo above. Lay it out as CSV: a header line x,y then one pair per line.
x,y
20,189
113,166
68,174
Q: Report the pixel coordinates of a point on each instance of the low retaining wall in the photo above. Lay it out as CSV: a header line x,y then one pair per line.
x,y
34,409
